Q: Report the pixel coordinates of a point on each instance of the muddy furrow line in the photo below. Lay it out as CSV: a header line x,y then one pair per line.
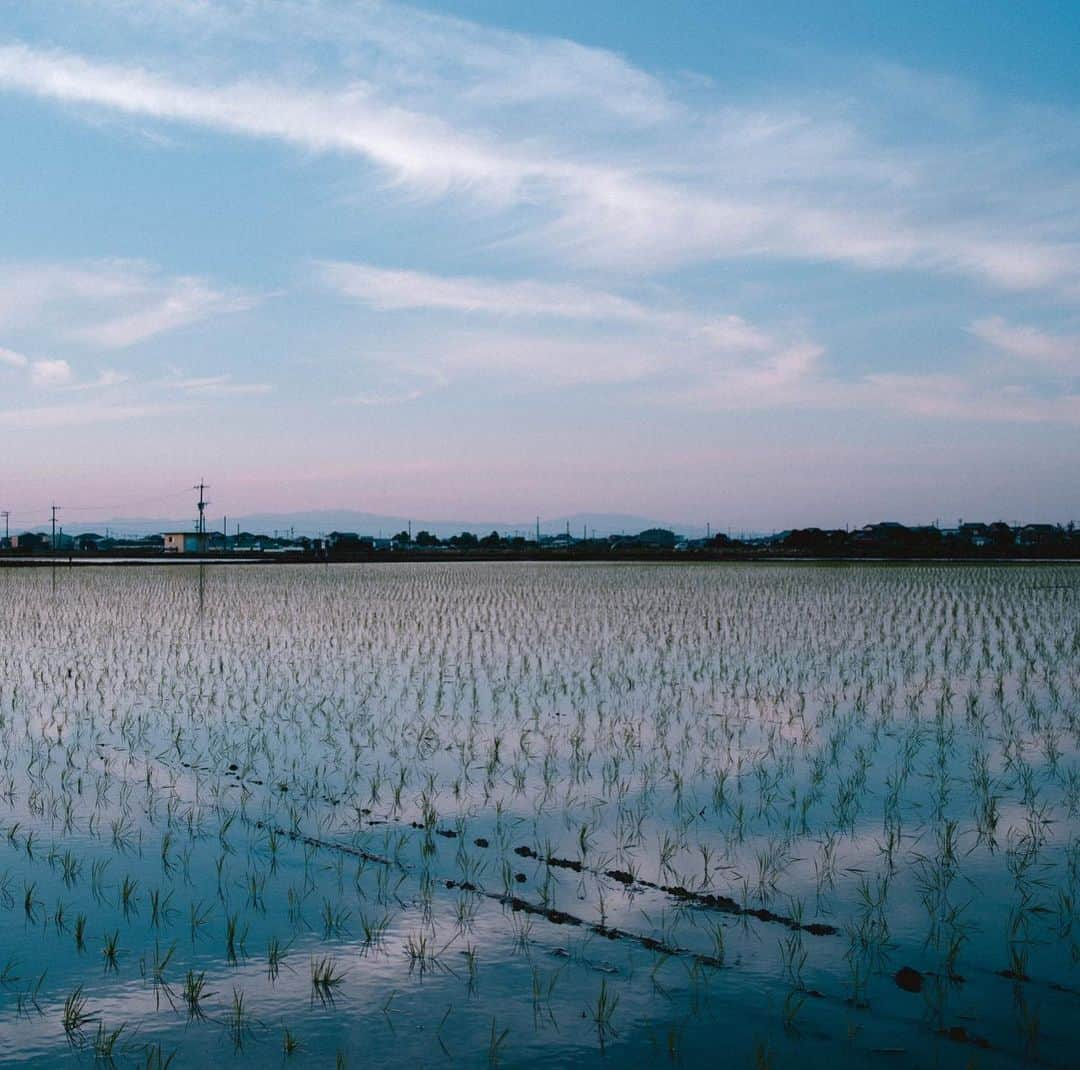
x,y
724,904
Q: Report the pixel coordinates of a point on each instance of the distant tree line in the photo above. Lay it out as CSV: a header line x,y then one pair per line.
x,y
886,539
966,540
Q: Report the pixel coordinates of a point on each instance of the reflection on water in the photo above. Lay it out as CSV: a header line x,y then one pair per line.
x,y
539,813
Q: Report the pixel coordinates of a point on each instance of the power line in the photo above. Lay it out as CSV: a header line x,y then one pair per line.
x,y
38,510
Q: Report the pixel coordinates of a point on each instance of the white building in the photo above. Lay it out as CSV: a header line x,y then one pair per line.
x,y
184,542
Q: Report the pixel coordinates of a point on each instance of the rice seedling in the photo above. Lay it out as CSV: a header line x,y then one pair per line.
x,y
154,1057
290,1043
110,949
76,1013
194,992
496,1040
238,1020
604,1009
105,1041
326,978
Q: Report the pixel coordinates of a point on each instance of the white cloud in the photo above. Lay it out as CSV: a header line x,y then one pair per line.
x,y
670,357
953,397
793,375
388,290
394,290
615,340
27,290
211,384
799,381
78,415
1033,344
106,380
419,53
610,169
57,373
50,373
374,399
417,149
109,304
188,301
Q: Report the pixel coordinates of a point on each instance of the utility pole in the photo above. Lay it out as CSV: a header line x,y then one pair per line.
x,y
7,534
52,543
201,488
538,531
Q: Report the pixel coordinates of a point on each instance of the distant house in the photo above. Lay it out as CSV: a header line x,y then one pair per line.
x,y
29,540
979,535
342,543
184,542
1038,534
658,537
887,531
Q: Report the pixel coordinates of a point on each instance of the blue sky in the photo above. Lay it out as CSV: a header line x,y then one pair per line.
x,y
701,261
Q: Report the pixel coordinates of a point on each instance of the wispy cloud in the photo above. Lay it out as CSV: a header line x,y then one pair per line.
x,y
108,397
188,301
105,380
614,167
380,398
573,335
56,373
1056,351
417,149
78,414
50,373
592,181
800,380
211,385
667,356
108,304
395,290
392,290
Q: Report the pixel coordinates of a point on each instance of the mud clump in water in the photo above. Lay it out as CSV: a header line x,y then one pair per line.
x,y
908,979
959,1035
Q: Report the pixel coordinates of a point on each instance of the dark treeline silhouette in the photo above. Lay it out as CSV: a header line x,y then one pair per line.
x,y
882,540
966,540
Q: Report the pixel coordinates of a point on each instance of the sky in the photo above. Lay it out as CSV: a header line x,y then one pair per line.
x,y
757,265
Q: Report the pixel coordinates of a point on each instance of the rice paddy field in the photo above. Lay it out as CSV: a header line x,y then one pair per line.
x,y
524,814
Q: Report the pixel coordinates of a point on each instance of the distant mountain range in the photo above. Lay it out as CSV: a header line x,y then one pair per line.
x,y
320,521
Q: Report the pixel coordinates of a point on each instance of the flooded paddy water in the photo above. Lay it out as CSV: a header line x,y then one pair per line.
x,y
518,814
